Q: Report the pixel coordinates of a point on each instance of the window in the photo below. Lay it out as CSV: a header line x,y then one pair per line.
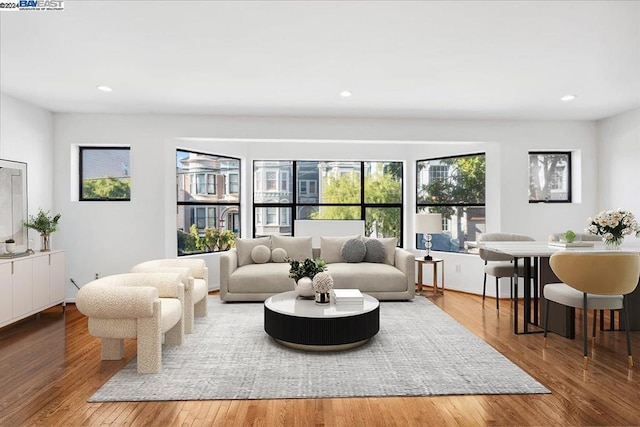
x,y
371,191
105,174
455,188
549,177
208,196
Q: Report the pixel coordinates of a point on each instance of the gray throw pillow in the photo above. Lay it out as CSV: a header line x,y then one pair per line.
x,y
353,250
376,251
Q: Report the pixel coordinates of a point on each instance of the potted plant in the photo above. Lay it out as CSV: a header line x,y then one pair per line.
x,y
45,224
303,273
569,236
10,245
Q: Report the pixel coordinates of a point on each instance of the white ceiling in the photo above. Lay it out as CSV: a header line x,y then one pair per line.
x,y
457,59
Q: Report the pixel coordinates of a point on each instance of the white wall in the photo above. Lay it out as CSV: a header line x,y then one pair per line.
x,y
619,162
108,237
26,135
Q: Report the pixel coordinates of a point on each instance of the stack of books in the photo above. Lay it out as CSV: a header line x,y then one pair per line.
x,y
347,296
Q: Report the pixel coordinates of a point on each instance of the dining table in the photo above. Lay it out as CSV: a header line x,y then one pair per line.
x,y
534,256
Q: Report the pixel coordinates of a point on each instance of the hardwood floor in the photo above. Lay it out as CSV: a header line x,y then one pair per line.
x,y
50,365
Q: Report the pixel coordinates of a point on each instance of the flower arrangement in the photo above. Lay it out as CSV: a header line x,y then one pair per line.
x,y
307,268
322,282
613,226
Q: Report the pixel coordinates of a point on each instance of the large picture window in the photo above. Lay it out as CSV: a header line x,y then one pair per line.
x,y
371,191
208,196
549,177
455,188
105,174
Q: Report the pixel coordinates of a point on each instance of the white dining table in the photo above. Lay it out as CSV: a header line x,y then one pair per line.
x,y
526,251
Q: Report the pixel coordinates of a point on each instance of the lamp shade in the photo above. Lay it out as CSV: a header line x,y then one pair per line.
x,y
430,223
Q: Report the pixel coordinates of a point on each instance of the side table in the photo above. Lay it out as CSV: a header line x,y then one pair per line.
x,y
434,262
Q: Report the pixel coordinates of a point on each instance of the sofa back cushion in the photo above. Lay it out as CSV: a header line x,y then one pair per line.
x,y
245,246
296,247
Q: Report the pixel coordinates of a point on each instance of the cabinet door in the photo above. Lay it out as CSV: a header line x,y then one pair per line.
x,y
6,293
57,277
40,282
22,287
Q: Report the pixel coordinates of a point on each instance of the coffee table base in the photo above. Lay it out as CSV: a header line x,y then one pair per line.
x,y
337,347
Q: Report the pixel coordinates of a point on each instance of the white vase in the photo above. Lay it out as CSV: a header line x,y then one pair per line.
x,y
10,247
304,287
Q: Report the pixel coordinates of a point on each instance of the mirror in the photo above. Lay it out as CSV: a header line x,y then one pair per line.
x,y
13,203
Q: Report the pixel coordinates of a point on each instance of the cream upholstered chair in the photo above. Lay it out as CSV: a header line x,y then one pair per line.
x,y
144,306
196,288
593,281
498,264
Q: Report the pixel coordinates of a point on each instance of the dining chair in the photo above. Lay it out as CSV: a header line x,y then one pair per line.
x,y
498,264
593,281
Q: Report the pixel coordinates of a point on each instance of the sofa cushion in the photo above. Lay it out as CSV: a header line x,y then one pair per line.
x,y
245,246
368,277
296,247
260,254
353,250
390,244
375,251
261,278
278,255
330,248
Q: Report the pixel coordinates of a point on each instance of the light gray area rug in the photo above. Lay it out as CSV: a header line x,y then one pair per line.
x,y
419,351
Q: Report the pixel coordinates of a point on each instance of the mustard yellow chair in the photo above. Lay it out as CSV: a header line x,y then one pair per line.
x,y
498,264
593,281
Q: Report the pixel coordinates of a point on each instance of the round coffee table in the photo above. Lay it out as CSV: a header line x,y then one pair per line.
x,y
303,324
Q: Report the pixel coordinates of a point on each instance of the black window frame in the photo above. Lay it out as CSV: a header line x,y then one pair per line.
x,y
293,205
569,155
421,205
81,151
208,203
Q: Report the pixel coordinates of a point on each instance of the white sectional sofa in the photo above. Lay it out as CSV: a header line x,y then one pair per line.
x,y
247,278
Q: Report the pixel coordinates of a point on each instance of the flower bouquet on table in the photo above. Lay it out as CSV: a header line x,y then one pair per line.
x,y
613,226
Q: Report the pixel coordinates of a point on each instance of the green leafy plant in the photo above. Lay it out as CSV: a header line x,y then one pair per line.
x,y
213,239
307,268
43,222
569,236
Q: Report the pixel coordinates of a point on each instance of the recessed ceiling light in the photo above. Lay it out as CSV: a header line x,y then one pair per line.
x,y
345,94
104,88
568,98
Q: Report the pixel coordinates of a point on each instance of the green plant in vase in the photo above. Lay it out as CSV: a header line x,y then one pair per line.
x,y
45,224
569,236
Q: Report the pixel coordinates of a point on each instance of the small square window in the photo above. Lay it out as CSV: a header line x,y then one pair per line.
x,y
105,174
549,177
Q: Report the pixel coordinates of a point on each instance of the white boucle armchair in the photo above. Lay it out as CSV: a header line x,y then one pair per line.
x,y
145,306
196,287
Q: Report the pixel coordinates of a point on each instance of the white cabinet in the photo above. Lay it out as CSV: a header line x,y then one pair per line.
x,y
31,284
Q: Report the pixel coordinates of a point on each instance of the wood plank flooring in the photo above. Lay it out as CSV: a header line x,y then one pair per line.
x,y
50,365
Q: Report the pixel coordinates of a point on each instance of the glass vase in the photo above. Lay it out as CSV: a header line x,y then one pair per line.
x,y
46,242
322,298
614,243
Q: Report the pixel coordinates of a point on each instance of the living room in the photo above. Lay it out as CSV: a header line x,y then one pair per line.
x,y
602,131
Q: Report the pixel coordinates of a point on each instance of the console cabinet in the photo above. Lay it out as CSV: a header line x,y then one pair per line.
x,y
31,284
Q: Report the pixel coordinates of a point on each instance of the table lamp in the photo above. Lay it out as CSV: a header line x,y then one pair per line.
x,y
427,224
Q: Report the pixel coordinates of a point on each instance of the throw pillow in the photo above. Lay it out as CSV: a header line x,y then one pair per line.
x,y
278,255
330,248
245,246
390,245
260,254
376,251
298,248
353,250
